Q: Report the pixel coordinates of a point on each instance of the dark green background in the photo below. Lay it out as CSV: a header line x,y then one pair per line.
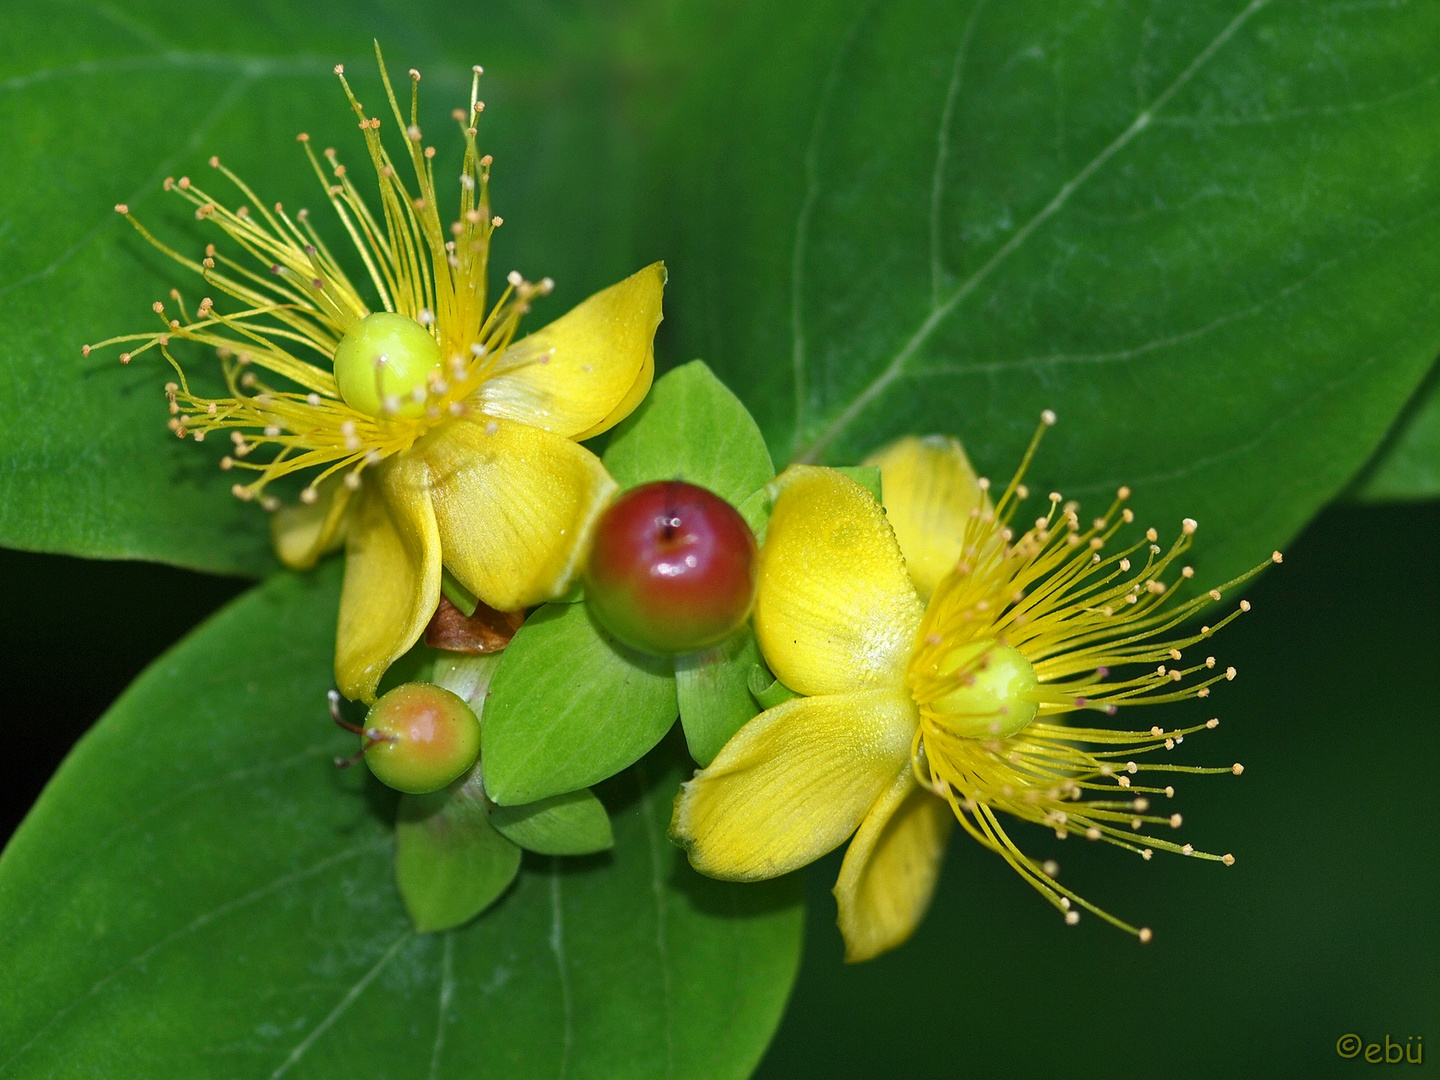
x,y
1324,926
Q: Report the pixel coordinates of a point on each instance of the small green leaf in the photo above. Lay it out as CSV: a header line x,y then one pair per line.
x,y
714,694
692,428
571,824
569,706
466,675
768,690
867,476
450,863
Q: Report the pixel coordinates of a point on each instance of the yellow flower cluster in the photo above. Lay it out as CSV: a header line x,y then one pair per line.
x,y
939,653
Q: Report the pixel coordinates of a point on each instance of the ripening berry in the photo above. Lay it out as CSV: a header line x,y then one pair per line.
x,y
420,737
672,569
384,365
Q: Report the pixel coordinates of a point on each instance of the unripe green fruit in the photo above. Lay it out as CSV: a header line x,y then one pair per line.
x,y
420,737
672,569
385,364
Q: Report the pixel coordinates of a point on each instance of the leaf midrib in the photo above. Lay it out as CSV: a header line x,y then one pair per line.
x,y
812,451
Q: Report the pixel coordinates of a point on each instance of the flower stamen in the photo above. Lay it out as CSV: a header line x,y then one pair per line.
x,y
1052,604
296,305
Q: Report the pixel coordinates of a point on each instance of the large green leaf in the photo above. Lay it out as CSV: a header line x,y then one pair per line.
x,y
1206,233
200,893
101,102
1407,465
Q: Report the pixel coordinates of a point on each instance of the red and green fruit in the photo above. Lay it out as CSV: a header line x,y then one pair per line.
x,y
672,568
420,738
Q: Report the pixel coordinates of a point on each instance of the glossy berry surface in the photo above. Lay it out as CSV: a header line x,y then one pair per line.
x,y
421,738
672,568
385,364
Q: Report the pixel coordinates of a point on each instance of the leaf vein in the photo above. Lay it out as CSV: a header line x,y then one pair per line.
x,y
1244,446
942,149
254,67
939,313
198,923
1281,115
1130,353
340,1008
447,994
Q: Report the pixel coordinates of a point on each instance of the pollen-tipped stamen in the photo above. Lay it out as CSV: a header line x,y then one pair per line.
x,y
1074,615
302,304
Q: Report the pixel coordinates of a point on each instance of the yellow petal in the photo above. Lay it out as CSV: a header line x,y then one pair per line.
x,y
835,611
514,505
930,489
587,370
628,404
793,783
888,877
301,534
392,575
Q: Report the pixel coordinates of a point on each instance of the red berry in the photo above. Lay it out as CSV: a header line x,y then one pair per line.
x,y
672,569
420,737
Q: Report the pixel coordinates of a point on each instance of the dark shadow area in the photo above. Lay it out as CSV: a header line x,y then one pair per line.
x,y
74,634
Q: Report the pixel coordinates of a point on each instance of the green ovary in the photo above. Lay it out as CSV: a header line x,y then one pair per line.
x,y
385,365
991,695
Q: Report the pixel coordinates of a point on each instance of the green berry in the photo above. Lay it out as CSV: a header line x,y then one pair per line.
x,y
420,737
384,366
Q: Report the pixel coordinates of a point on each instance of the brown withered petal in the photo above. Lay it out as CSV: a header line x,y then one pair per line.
x,y
486,631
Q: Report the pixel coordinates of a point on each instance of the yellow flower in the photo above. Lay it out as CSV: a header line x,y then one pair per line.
x,y
429,438
916,715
